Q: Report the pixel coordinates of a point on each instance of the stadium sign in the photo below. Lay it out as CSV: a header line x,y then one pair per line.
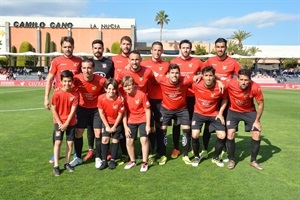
x,y
42,24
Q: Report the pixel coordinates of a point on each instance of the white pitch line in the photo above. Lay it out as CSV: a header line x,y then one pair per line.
x,y
14,91
26,109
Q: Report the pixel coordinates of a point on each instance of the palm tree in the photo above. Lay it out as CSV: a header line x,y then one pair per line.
x,y
240,36
161,19
253,50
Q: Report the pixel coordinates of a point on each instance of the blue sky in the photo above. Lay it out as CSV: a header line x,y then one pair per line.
x,y
270,22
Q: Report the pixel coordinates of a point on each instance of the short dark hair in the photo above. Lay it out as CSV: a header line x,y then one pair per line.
x,y
98,42
219,40
245,72
173,66
126,38
67,39
185,41
66,73
89,60
157,43
135,52
112,82
208,69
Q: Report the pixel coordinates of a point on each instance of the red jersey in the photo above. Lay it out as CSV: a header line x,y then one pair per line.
x,y
189,67
135,106
111,107
89,91
62,63
158,68
174,96
225,69
64,100
242,100
207,99
120,62
141,78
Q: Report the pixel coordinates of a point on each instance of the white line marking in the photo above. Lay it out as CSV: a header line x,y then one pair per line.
x,y
26,109
13,91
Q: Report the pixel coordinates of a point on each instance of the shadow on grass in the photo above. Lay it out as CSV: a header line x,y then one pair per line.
x,y
243,149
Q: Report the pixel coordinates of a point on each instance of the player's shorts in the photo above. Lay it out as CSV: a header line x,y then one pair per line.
x,y
182,116
134,128
190,102
214,124
115,135
88,116
233,118
155,108
59,135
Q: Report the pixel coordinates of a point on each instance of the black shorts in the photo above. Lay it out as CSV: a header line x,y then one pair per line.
x,y
182,116
115,135
155,109
59,135
190,102
233,118
88,117
134,130
214,125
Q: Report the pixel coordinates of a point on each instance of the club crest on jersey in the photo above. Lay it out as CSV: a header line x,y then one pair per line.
x,y
246,95
104,65
141,78
179,88
76,64
137,101
224,67
191,65
94,87
115,107
160,68
212,95
72,98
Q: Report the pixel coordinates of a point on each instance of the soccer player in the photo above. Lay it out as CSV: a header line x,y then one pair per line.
x,y
120,63
174,93
207,98
111,109
137,117
226,67
63,105
90,86
158,67
103,67
242,93
121,60
65,62
189,66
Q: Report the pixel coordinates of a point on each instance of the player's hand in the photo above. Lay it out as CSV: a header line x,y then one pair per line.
x,y
256,126
221,86
47,104
219,116
148,130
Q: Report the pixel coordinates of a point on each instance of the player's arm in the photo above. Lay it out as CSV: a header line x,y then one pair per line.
x,y
65,125
125,124
104,120
49,82
221,111
55,115
148,119
259,112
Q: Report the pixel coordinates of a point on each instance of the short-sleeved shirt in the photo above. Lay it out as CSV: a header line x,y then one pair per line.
x,y
242,100
174,95
188,67
135,106
64,100
141,78
225,69
158,68
111,107
120,62
207,99
104,67
89,91
62,63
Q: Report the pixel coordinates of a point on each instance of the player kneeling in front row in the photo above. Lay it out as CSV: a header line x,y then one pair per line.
x,y
111,109
241,93
207,98
64,104
137,116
